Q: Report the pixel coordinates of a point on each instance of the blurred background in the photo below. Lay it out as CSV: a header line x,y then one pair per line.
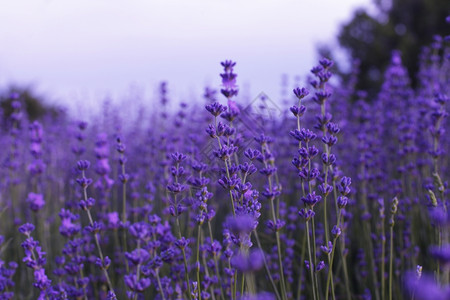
x,y
76,54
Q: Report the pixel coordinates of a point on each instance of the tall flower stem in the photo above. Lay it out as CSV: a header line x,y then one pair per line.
x,y
330,262
311,268
437,119
199,286
277,234
391,252
266,267
186,271
383,253
302,259
138,268
158,280
216,263
124,178
226,168
366,229
96,239
326,150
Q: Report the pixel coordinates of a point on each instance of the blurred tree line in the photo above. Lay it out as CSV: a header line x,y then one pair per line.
x,y
34,105
405,25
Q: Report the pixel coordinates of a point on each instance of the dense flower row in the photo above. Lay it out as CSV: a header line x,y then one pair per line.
x,y
329,199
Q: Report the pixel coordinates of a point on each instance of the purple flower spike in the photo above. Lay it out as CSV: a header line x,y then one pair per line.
x,y
36,201
229,80
336,231
87,204
442,254
215,109
327,249
298,111
136,285
326,63
308,265
254,261
320,266
275,226
26,229
342,201
83,165
182,243
103,264
311,199
137,256
307,214
301,93
241,224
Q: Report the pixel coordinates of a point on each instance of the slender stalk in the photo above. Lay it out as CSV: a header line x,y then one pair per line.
x,y
138,268
199,286
302,259
280,261
310,261
326,150
266,267
186,272
226,168
159,284
233,288
330,262
124,209
158,280
391,259
242,284
207,273
383,253
344,260
366,228
216,263
100,253
277,234
97,243
391,255
315,255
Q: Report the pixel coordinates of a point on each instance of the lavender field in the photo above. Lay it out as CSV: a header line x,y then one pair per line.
x,y
335,193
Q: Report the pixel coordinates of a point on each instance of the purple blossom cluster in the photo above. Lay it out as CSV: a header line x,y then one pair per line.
x,y
334,199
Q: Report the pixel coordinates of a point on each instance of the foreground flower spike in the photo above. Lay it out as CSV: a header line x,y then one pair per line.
x,y
229,89
123,178
307,174
86,204
35,259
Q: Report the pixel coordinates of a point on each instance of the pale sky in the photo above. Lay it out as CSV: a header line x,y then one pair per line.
x,y
69,48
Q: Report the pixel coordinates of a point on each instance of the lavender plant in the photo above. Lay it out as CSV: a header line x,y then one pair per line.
x,y
294,209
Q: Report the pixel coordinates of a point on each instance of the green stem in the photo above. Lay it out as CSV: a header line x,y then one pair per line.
x,y
199,288
310,261
159,285
186,272
226,168
97,243
302,259
330,262
383,250
266,267
216,263
344,265
391,259
242,285
138,268
313,227
124,218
